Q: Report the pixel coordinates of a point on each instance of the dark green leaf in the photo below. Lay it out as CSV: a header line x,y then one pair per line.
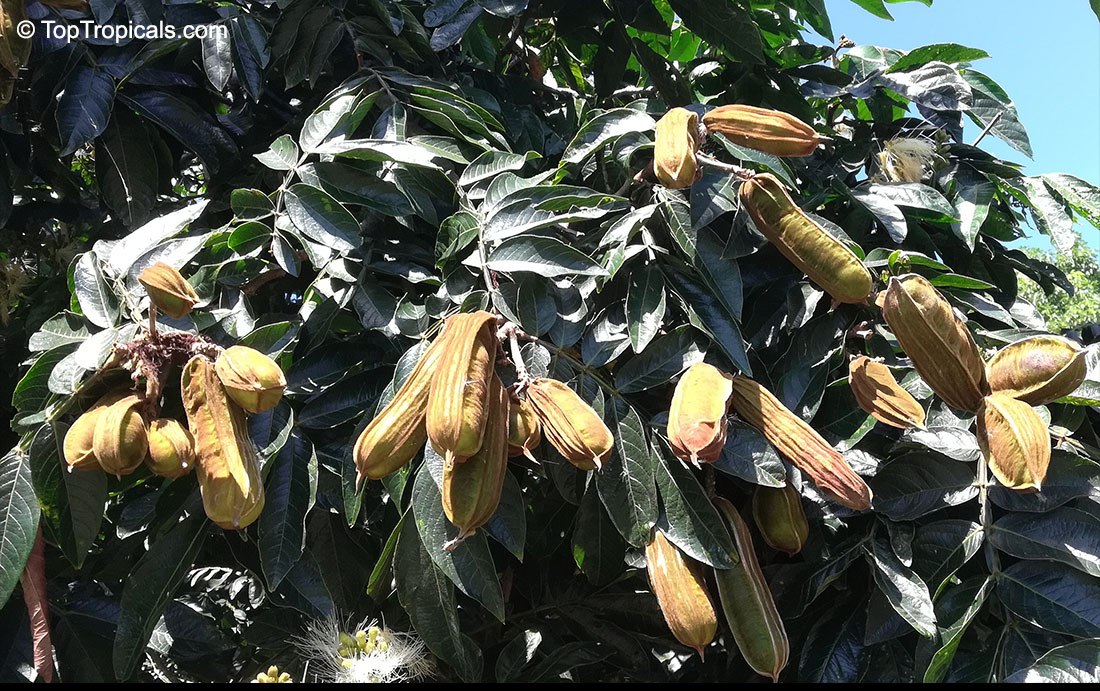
x,y
690,520
916,484
626,481
1053,596
290,487
19,513
1064,535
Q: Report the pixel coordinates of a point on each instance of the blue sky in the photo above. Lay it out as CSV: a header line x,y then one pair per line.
x,y
1044,53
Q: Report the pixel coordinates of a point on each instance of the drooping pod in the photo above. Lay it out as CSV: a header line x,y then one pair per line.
x,y
771,131
880,395
674,150
1038,370
937,342
459,389
168,290
79,444
1015,442
780,519
799,443
120,439
697,417
681,593
253,380
171,449
824,259
524,430
570,425
471,489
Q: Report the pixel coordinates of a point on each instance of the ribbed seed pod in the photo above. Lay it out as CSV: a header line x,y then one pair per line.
x,y
471,490
570,424
120,440
254,381
937,342
748,604
1038,370
78,447
799,443
228,470
824,259
771,131
682,594
778,514
168,290
397,432
878,393
674,149
1014,441
524,430
460,387
171,449
697,417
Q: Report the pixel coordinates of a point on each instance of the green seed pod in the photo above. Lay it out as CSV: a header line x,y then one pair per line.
x,y
778,514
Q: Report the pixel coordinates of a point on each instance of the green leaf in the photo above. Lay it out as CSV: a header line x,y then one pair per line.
x,y
665,358
517,654
710,316
903,588
724,24
1064,535
626,481
990,101
19,514
937,52
749,456
942,547
915,195
972,206
491,164
971,596
690,520
1074,663
919,483
1083,197
282,155
1050,214
150,586
1053,596
645,306
249,204
84,107
542,206
321,218
603,128
1068,477
834,650
97,302
598,549
32,392
544,256
529,303
290,489
508,525
63,329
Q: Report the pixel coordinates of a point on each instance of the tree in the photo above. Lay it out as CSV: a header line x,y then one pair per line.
x,y
337,180
1063,309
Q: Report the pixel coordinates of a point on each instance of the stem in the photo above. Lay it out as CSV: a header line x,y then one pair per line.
x,y
992,122
743,173
517,357
484,254
152,321
578,364
986,511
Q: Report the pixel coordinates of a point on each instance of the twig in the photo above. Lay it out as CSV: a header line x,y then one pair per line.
x,y
560,352
988,127
523,376
152,321
743,173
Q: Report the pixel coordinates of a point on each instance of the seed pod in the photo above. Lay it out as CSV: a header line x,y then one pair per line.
x,y
524,430
570,424
397,432
799,443
771,131
471,490
682,594
697,417
79,440
878,393
120,440
675,147
460,387
748,604
171,449
168,290
778,514
937,342
253,380
1038,370
1014,441
825,260
228,470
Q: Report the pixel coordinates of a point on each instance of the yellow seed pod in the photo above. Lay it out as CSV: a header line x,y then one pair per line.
x,y
878,393
825,260
681,593
253,380
228,470
471,489
1038,370
171,449
457,399
79,439
937,342
674,150
168,290
524,430
1014,441
799,443
570,424
120,440
778,514
762,129
697,417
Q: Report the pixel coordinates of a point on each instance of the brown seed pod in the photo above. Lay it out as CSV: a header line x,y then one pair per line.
x,y
682,594
937,342
254,381
799,443
459,389
228,470
78,447
674,150
878,393
168,290
524,430
748,604
778,514
171,449
570,424
697,417
1014,441
771,131
120,439
1038,370
825,260
471,490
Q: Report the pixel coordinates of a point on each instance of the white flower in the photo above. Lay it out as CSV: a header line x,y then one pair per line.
x,y
364,653
905,159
